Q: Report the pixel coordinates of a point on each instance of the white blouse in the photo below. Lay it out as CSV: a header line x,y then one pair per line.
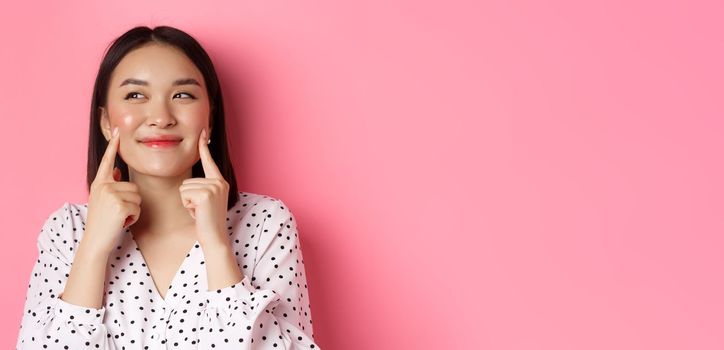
x,y
268,309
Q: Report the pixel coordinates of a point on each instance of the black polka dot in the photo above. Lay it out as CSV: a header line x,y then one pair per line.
x,y
185,314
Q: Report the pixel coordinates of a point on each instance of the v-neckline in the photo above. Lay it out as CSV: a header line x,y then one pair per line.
x,y
145,265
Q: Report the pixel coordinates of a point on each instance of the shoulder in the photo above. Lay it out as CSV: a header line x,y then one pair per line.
x,y
258,205
67,217
254,212
63,229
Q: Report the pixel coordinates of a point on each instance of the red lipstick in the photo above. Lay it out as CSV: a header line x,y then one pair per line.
x,y
161,141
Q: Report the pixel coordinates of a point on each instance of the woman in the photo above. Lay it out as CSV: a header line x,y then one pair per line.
x,y
166,253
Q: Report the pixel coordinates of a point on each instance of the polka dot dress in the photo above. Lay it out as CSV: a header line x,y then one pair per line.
x,y
268,309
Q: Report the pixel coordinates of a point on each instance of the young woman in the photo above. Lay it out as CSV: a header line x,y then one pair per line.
x,y
166,253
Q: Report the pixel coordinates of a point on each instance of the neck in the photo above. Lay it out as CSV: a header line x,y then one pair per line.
x,y
162,211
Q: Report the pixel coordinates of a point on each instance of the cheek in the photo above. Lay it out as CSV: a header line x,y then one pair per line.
x,y
127,120
193,122
126,123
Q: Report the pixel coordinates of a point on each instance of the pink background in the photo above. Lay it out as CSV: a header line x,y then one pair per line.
x,y
466,174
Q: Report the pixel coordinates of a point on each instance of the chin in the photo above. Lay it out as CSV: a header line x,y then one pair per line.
x,y
169,171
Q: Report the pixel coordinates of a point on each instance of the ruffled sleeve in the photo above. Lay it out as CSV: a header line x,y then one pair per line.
x,y
49,322
269,309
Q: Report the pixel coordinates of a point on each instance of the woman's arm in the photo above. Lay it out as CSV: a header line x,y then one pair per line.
x,y
48,321
270,308
86,282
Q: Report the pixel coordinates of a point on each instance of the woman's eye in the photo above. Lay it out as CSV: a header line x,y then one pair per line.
x,y
186,93
131,94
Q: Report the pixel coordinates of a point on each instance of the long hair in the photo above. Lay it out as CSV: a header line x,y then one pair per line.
x,y
131,40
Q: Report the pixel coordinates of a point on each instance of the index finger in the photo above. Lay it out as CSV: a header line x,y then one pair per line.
x,y
105,169
207,161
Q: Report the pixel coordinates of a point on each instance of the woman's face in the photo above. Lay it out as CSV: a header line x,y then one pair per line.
x,y
157,90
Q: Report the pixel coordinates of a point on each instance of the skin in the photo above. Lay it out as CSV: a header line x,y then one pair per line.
x,y
157,108
176,209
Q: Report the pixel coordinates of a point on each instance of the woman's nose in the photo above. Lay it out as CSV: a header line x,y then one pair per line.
x,y
161,115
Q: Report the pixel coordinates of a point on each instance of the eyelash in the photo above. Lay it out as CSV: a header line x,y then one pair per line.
x,y
134,93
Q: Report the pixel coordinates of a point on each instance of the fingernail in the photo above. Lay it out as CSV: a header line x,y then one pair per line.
x,y
115,131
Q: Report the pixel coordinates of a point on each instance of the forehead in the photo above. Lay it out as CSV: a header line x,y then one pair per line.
x,y
157,64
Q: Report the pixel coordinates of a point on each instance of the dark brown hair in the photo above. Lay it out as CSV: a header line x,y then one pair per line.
x,y
135,38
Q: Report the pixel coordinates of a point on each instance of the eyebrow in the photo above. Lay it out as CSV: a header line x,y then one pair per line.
x,y
182,81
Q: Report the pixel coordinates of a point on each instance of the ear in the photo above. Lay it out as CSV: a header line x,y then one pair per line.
x,y
105,123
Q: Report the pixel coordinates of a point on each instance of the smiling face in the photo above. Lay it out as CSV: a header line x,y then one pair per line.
x,y
157,90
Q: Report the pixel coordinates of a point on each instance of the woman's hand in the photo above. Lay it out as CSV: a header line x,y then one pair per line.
x,y
112,204
206,199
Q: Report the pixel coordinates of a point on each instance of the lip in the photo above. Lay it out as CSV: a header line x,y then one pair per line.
x,y
161,138
161,141
161,144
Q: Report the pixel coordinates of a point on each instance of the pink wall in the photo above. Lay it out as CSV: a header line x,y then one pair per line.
x,y
498,175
